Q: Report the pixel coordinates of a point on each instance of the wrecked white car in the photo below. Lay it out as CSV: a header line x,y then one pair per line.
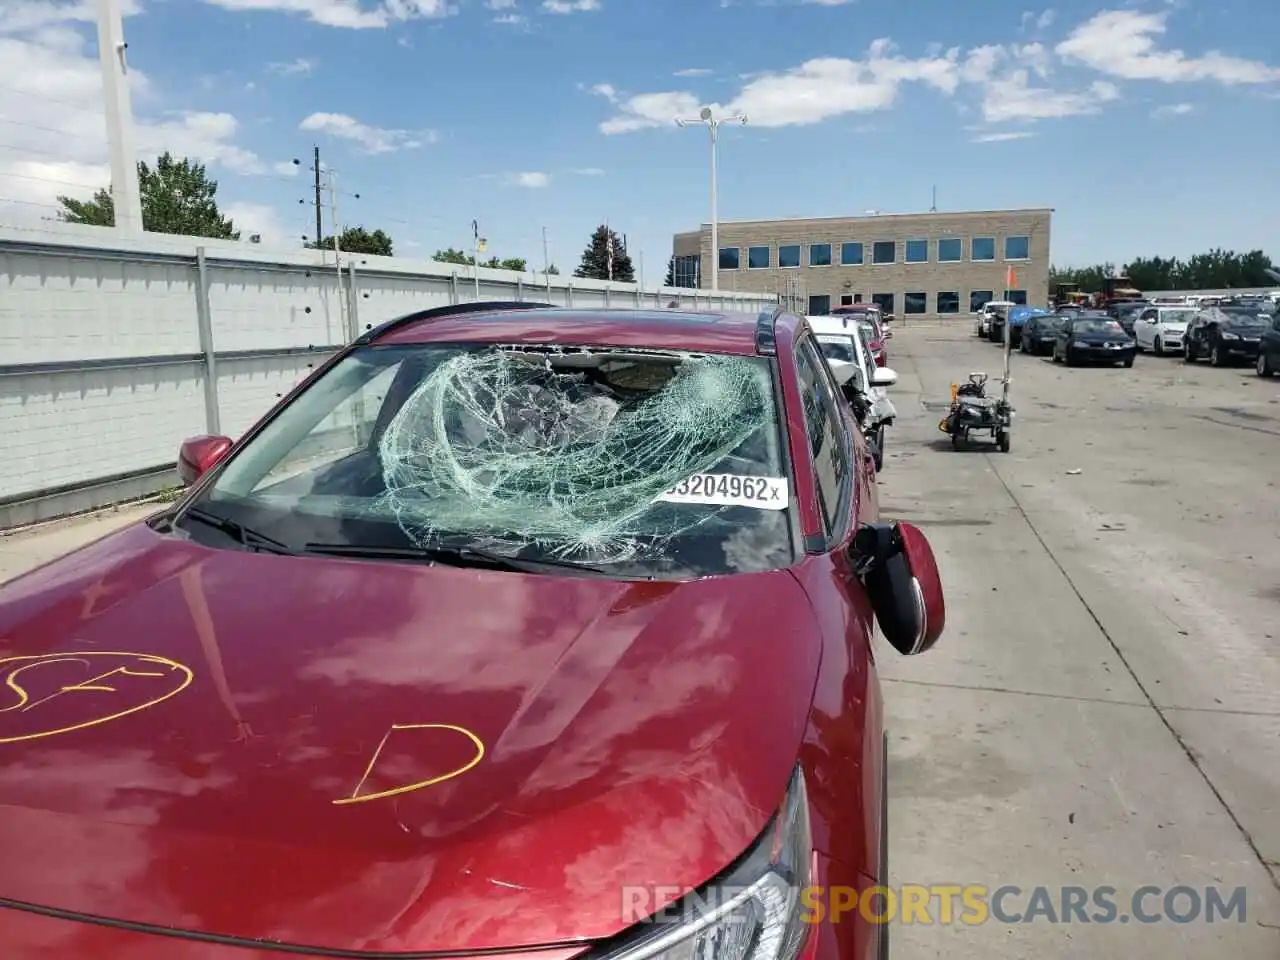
x,y
842,344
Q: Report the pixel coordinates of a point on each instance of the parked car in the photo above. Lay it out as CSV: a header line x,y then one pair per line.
x,y
982,320
1017,319
1268,363
1040,332
1091,339
874,321
1125,312
467,593
1225,334
1161,328
843,342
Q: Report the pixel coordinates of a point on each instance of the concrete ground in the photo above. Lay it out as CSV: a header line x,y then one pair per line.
x,y
1104,708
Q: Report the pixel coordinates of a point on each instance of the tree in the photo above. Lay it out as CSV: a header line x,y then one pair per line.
x,y
1216,270
670,280
553,270
596,258
358,240
451,255
177,197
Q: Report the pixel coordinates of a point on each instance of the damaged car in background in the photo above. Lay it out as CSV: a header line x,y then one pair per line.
x,y
845,345
440,656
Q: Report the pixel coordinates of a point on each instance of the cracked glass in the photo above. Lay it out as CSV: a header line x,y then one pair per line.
x,y
579,454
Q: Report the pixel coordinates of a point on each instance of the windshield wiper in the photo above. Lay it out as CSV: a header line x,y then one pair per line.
x,y
243,535
452,556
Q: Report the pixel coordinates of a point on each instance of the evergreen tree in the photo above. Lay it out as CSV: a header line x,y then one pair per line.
x,y
595,259
670,280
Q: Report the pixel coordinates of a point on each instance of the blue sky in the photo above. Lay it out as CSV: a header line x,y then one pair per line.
x,y
1151,128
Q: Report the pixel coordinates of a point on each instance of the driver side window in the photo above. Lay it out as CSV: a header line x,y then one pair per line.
x,y
829,445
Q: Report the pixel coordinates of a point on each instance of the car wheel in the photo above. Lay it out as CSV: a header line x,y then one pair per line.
x,y
1263,366
1003,440
957,441
1215,356
879,452
1188,355
1128,361
1158,347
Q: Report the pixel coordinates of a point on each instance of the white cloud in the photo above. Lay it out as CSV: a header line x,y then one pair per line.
x,y
370,139
500,4
1122,44
1173,110
570,6
587,172
285,168
26,16
293,67
251,218
1002,137
1013,81
55,140
347,14
692,72
532,180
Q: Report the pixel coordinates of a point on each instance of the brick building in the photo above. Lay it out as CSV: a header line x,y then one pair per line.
x,y
927,265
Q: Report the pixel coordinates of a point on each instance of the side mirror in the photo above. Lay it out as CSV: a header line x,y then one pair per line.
x,y
896,565
883,377
198,455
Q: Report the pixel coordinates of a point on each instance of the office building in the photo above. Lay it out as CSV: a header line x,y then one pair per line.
x,y
926,265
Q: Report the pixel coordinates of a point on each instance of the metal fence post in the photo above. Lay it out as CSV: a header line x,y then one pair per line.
x,y
520,288
353,303
608,296
453,287
569,293
204,325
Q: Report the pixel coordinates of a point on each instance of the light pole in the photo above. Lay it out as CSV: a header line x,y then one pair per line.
x,y
713,125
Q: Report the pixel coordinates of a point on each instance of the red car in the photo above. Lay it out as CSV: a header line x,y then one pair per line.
x,y
511,629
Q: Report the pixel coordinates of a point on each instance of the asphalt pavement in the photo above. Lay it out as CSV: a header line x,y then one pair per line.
x,y
1104,708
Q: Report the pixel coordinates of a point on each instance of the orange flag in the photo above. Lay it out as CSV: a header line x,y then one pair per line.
x,y
1010,279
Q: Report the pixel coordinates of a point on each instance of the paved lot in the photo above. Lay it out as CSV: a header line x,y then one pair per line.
x,y
1105,706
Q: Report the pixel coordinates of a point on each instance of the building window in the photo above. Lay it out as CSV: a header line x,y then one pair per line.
x,y
1017,248
687,270
983,248
948,301
757,258
915,302
851,254
857,298
884,251
819,306
846,300
1016,296
979,299
917,251
728,258
819,254
950,250
789,256
884,301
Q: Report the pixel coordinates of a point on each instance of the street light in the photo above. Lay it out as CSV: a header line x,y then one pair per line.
x,y
712,124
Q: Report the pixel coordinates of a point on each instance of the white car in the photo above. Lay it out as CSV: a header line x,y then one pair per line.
x,y
1162,329
842,344
982,322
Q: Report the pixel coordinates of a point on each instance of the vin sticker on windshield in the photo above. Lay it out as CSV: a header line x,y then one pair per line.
x,y
730,490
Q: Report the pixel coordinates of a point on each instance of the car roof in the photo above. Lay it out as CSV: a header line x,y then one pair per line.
x,y
838,325
709,331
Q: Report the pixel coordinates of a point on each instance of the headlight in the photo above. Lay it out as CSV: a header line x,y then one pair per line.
x,y
1230,336
751,912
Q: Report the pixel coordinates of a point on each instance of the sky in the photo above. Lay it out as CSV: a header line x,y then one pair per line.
x,y
1152,128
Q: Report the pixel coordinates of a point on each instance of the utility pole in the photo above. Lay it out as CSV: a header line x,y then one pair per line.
x,y
126,195
478,244
332,177
315,166
546,254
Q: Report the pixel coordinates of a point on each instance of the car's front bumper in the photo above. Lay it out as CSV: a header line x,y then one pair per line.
x,y
1102,354
1240,349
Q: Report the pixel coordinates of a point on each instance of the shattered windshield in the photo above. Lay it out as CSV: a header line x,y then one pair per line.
x,y
1177,316
657,463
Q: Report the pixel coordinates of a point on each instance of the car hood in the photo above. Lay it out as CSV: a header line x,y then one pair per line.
x,y
244,744
1173,327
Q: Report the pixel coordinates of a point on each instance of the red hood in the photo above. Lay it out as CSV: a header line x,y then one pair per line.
x,y
633,734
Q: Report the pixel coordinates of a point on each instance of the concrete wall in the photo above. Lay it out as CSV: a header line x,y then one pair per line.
x,y
899,278
112,350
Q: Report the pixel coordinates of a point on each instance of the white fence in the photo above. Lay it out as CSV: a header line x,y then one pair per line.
x,y
112,350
